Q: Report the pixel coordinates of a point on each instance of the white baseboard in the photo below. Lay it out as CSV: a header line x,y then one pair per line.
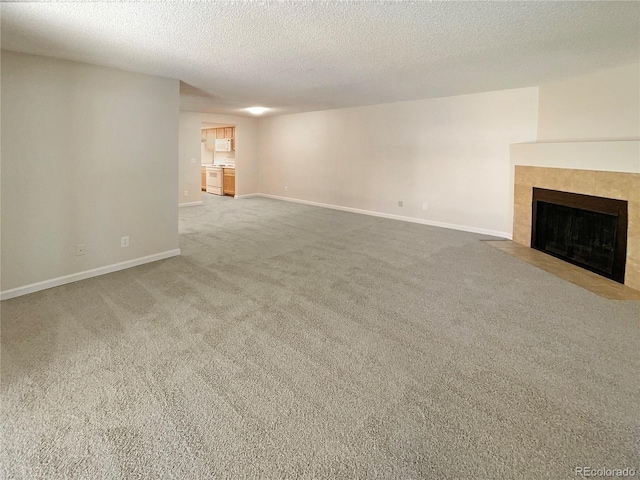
x,y
191,204
74,277
464,228
248,195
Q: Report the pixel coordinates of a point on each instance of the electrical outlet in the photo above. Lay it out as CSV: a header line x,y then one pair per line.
x,y
425,206
185,193
193,160
81,249
286,188
124,241
400,203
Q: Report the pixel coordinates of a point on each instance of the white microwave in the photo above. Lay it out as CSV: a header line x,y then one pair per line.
x,y
223,145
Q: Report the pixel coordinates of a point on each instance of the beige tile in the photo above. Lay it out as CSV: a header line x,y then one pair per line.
x,y
522,194
553,179
615,292
633,208
634,188
633,246
632,279
632,264
522,214
581,181
571,273
632,254
573,277
612,185
588,182
632,273
521,175
524,175
633,232
522,234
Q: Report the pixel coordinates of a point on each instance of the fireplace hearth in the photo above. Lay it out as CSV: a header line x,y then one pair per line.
x,y
584,230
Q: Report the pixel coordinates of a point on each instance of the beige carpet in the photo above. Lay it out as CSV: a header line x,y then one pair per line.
x,y
290,341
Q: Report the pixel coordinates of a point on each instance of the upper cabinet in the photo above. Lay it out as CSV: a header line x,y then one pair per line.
x,y
220,133
211,139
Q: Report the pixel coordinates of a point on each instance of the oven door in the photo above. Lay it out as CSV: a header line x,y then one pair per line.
x,y
214,180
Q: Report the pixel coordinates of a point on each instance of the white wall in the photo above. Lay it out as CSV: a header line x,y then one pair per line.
x,y
246,154
190,148
589,123
601,106
603,156
88,155
452,153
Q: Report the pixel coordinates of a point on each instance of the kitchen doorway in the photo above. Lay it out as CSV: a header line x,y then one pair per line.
x,y
218,159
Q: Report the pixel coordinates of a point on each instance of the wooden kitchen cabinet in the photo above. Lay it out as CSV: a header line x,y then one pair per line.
x,y
210,143
203,179
229,181
219,133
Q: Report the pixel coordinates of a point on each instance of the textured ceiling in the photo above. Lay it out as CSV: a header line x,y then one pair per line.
x,y
301,56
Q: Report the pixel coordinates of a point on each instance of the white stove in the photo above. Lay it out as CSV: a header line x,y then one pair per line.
x,y
214,179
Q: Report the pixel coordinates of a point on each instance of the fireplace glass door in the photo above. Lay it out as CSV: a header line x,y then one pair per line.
x,y
582,230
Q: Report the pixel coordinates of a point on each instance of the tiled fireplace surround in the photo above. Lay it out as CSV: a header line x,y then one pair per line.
x,y
618,185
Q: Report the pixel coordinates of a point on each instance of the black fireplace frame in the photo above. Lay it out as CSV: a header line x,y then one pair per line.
x,y
607,206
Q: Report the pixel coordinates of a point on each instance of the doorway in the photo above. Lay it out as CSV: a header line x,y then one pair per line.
x,y
218,159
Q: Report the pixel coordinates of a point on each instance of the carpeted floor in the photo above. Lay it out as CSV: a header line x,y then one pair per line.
x,y
290,341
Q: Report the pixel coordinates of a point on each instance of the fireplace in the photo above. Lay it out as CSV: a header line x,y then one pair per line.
x,y
585,230
623,186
